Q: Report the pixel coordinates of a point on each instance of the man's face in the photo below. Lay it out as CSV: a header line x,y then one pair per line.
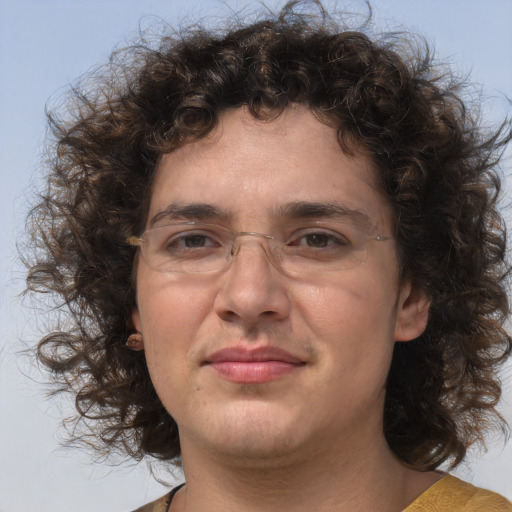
x,y
253,362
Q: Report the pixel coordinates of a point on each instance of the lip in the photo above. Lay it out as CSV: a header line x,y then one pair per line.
x,y
253,366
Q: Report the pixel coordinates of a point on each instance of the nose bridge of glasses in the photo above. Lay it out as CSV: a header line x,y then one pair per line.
x,y
267,242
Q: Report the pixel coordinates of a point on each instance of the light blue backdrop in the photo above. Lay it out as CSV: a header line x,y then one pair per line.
x,y
44,45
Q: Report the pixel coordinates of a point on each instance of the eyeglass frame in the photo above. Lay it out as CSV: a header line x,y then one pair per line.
x,y
234,248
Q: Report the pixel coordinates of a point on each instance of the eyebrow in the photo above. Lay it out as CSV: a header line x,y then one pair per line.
x,y
293,211
324,210
191,211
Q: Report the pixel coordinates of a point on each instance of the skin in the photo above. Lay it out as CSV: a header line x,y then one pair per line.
x,y
311,439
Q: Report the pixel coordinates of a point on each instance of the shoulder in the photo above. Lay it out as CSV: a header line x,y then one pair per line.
x,y
159,505
453,495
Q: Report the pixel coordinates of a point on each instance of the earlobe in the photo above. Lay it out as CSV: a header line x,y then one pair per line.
x,y
412,312
136,341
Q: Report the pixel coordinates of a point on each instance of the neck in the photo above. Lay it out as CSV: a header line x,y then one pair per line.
x,y
327,480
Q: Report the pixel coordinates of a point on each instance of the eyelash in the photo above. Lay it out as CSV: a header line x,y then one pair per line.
x,y
181,238
331,239
335,238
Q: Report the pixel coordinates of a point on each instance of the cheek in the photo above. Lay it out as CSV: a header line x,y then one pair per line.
x,y
357,301
353,326
164,301
171,315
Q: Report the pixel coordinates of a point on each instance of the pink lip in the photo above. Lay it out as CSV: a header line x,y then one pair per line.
x,y
253,366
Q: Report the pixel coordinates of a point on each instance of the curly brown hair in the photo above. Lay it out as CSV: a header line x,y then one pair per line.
x,y
438,167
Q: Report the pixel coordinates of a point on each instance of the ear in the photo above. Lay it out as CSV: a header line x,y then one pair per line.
x,y
137,324
412,312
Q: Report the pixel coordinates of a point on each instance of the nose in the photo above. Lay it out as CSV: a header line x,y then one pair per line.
x,y
252,290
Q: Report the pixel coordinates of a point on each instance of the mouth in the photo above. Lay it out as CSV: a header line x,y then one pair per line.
x,y
253,366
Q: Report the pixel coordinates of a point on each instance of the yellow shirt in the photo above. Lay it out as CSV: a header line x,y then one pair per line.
x,y
453,495
447,495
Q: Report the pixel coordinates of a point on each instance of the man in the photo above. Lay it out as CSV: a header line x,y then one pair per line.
x,y
295,228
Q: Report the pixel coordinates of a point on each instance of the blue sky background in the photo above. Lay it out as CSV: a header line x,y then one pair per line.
x,y
45,45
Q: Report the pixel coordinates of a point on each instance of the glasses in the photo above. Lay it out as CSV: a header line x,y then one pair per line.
x,y
191,247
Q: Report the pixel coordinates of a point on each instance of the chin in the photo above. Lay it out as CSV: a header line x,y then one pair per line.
x,y
257,435
258,453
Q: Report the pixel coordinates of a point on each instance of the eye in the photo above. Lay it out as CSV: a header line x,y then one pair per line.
x,y
192,241
319,240
185,241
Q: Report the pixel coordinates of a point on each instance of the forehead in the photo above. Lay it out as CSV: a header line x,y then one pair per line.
x,y
252,169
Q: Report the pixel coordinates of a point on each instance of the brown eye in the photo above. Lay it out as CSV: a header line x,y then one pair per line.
x,y
317,240
193,241
320,240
